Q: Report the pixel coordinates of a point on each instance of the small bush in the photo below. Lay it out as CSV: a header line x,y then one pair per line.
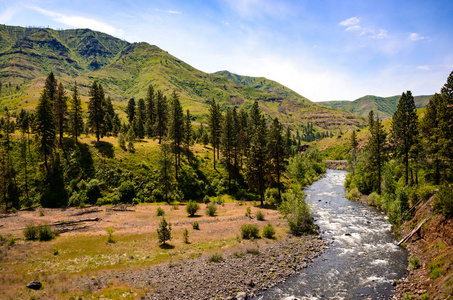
x,y
443,201
185,236
206,199
253,250
192,207
31,232
435,270
175,205
249,231
374,199
414,262
164,231
110,235
353,194
218,200
126,192
268,231
55,251
211,209
248,212
45,233
259,215
196,226
160,212
215,257
11,241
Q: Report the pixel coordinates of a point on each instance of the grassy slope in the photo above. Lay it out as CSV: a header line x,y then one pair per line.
x,y
385,107
27,55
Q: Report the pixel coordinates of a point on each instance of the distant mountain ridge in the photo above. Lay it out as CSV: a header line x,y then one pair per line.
x,y
28,55
384,106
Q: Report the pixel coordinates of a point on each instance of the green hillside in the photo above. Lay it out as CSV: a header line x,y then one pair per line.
x,y
28,55
385,107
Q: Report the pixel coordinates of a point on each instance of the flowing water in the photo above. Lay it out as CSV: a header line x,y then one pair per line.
x,y
362,259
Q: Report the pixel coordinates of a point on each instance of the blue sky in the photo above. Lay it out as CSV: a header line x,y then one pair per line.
x,y
324,50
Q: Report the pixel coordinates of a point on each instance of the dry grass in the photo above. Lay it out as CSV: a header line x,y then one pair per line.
x,y
86,252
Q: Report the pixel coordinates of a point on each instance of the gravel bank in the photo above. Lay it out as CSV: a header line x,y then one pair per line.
x,y
237,276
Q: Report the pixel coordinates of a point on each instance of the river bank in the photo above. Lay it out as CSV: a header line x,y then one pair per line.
x,y
251,268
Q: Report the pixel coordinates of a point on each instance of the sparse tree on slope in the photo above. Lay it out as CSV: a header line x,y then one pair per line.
x,y
75,114
176,129
215,117
276,152
161,116
96,109
61,111
45,127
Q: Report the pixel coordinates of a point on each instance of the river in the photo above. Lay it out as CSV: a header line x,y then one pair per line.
x,y
362,259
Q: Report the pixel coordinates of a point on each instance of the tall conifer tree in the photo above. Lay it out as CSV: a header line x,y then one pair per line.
x,y
75,114
161,116
45,127
61,111
96,109
176,129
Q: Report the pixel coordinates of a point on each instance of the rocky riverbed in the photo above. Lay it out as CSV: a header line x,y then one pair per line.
x,y
239,275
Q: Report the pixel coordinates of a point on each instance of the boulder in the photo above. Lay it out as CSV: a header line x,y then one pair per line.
x,y
34,285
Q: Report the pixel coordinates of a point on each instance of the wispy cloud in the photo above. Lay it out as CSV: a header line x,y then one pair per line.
x,y
350,22
168,11
80,22
7,15
416,37
381,34
424,68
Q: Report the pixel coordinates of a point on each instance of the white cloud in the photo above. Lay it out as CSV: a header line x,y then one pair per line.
x,y
352,28
424,68
173,12
416,37
380,35
350,22
80,22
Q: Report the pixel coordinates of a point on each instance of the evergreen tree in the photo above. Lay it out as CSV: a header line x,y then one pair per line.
x,y
276,152
243,138
446,124
75,114
164,231
96,109
140,117
354,145
45,127
150,111
188,135
215,117
257,167
161,116
51,88
176,129
61,111
377,151
404,129
165,172
109,116
130,110
24,125
227,143
288,143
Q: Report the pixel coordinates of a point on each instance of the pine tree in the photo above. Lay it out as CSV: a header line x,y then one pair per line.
x,y
61,111
354,145
188,135
45,127
446,123
96,109
24,125
257,167
150,111
276,152
75,114
176,129
215,117
130,110
140,116
164,231
404,129
227,140
109,116
161,116
165,172
51,88
377,150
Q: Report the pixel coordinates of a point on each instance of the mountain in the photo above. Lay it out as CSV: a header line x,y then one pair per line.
x,y
28,55
385,107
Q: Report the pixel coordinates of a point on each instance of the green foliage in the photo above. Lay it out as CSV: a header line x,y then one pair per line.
x,y
443,201
252,250
11,241
249,231
354,194
126,192
297,213
31,232
185,236
160,212
45,233
110,232
435,270
215,257
259,215
374,199
192,207
164,231
268,231
196,225
248,212
211,209
414,262
93,191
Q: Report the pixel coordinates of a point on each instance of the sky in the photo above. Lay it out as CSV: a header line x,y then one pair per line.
x,y
324,50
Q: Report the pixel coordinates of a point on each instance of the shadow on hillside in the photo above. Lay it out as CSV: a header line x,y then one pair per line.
x,y
105,149
167,246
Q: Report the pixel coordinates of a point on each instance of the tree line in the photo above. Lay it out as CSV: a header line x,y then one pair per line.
x,y
409,160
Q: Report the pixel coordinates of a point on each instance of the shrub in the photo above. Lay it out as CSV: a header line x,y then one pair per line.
x,y
192,207
93,191
55,251
218,200
248,212
45,233
31,232
206,199
252,250
160,212
11,241
126,192
215,257
110,235
268,231
435,270
443,201
249,231
414,262
196,226
299,218
185,236
374,199
425,192
353,194
259,215
164,231
211,209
